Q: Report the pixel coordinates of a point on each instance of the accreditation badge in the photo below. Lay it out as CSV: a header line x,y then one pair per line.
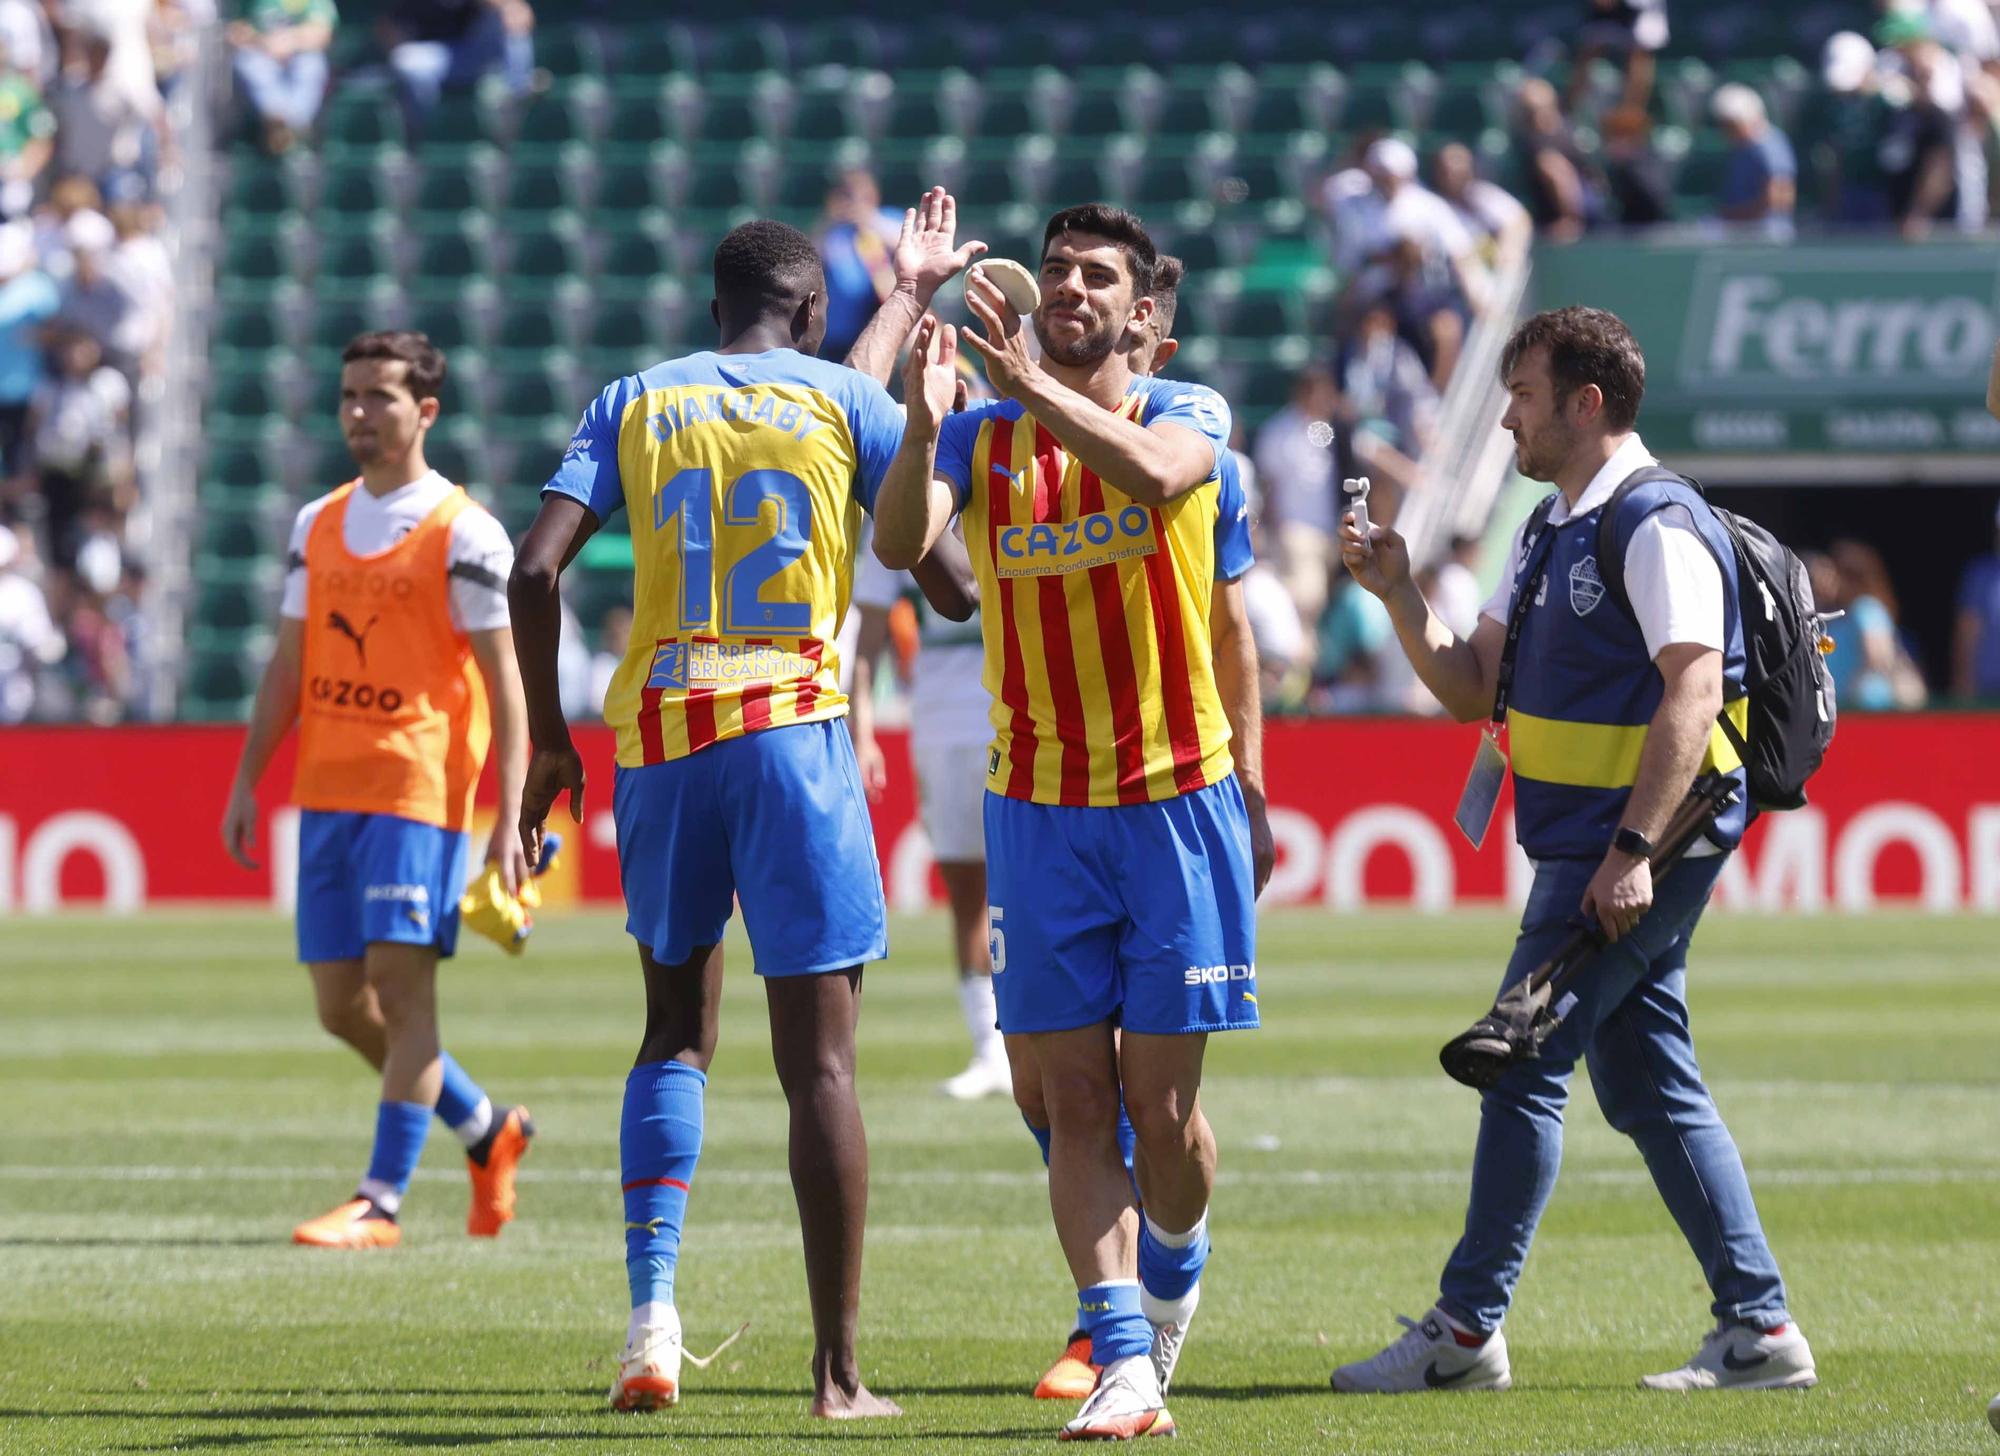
x,y
1482,788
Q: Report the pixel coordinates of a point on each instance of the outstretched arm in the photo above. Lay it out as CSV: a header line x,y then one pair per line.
x,y
925,260
915,504
535,604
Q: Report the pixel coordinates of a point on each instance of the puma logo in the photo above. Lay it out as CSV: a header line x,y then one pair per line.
x,y
345,628
1017,477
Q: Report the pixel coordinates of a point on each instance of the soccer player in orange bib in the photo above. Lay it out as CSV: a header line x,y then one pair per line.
x,y
1124,847
395,660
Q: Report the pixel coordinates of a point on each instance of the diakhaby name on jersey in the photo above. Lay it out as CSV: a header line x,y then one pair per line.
x,y
1052,548
750,406
704,662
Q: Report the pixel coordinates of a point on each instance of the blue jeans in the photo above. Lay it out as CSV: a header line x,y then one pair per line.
x,y
426,69
1630,1024
287,91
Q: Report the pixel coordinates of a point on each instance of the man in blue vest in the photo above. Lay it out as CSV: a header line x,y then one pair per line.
x,y
1610,714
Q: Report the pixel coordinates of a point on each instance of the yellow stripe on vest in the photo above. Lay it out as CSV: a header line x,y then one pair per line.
x,y
1601,755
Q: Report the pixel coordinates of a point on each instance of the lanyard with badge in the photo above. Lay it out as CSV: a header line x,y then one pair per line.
x,y
1489,764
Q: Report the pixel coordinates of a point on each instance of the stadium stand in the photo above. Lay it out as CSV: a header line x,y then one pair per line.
x,y
553,240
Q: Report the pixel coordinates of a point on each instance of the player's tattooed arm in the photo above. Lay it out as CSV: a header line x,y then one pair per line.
x,y
535,605
914,505
926,258
1236,683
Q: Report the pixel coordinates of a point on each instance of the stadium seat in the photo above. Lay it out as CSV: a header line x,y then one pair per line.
x,y
357,122
245,394
653,50
451,250
568,50
448,324
259,186
848,42
538,190
757,45
554,119
354,258
638,255
527,327
256,256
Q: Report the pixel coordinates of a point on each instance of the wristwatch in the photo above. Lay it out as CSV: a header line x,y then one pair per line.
x,y
1630,841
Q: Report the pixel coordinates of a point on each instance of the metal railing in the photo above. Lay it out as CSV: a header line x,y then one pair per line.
x,y
175,446
1466,466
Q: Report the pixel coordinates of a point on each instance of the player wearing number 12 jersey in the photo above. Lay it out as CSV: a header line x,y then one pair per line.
x,y
744,474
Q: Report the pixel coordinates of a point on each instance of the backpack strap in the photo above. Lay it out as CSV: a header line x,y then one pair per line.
x,y
1611,550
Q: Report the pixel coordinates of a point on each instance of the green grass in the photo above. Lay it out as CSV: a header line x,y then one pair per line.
x,y
172,1109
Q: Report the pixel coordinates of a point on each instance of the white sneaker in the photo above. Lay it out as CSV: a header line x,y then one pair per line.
x,y
649,1372
1126,1404
1429,1357
1736,1357
984,1076
1170,1319
1993,1412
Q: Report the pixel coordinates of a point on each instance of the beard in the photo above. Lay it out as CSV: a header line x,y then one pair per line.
x,y
1540,455
1092,348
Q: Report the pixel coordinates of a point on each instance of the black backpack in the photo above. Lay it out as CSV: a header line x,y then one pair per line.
x,y
1792,709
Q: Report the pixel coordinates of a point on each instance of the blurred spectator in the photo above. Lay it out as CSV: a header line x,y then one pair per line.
x,y
435,46
1352,639
1560,197
857,246
1430,314
614,635
140,264
1964,103
99,671
1378,208
27,42
69,196
1870,667
29,640
279,53
1848,123
1455,595
27,141
109,123
1975,645
1391,400
1631,32
1499,226
27,299
97,304
1760,175
1635,175
77,444
1284,654
1299,482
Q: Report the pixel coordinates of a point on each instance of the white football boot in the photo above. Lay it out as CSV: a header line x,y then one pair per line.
x,y
1736,1357
1170,1319
984,1076
649,1372
1428,1357
1127,1404
1993,1412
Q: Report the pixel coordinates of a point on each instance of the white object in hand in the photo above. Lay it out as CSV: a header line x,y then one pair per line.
x,y
1016,284
1357,503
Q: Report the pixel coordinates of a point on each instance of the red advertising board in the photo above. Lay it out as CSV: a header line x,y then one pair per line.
x,y
1907,810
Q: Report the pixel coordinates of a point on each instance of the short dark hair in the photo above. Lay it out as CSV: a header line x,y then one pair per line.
x,y
1168,271
1115,224
763,266
425,376
1585,346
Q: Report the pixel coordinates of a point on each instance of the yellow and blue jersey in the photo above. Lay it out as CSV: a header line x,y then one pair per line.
x,y
744,477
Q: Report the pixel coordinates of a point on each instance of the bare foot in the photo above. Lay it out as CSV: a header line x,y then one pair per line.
x,y
835,1404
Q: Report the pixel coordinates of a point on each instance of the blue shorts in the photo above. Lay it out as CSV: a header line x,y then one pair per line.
x,y
370,877
774,818
1145,914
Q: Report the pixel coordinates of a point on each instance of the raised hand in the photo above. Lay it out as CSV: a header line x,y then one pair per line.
x,y
930,375
925,258
1004,349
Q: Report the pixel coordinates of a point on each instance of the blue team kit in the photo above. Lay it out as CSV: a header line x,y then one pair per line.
x,y
374,877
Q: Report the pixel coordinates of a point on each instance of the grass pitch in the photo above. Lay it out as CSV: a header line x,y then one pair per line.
x,y
172,1110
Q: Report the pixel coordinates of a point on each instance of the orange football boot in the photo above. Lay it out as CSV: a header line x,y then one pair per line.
x,y
1072,1377
348,1227
493,1185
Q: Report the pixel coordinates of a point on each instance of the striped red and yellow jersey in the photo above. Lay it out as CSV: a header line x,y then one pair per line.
x,y
744,477
1095,608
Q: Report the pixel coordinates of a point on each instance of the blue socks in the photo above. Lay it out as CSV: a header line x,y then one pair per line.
x,y
659,1142
1041,1137
1127,1140
400,1128
1110,1315
462,1105
1170,1264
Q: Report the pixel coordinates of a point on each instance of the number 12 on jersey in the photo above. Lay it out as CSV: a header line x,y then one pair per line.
x,y
691,497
